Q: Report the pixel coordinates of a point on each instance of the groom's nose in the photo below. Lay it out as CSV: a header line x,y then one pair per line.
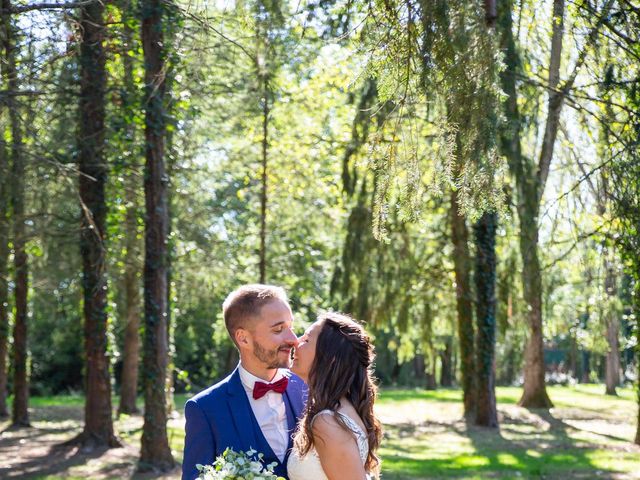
x,y
292,339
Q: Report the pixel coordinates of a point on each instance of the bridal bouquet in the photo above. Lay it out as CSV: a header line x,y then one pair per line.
x,y
232,465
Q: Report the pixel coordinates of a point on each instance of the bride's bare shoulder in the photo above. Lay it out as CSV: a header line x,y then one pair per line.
x,y
346,408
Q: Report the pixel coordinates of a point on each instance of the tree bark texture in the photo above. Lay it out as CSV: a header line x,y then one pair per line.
x,y
4,279
131,354
485,279
535,394
20,410
155,452
133,265
462,266
612,367
98,427
491,12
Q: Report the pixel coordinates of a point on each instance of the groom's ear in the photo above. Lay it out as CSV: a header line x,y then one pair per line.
x,y
242,337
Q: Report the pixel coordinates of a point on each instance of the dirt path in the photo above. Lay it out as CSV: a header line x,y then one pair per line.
x,y
38,452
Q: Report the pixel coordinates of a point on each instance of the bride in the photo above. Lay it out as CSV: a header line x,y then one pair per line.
x,y
338,434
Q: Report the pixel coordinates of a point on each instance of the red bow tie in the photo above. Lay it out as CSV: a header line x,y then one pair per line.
x,y
260,389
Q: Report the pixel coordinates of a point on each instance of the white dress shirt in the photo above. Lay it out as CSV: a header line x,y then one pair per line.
x,y
270,412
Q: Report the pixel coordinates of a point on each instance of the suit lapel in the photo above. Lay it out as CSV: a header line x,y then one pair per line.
x,y
291,416
293,407
249,431
241,412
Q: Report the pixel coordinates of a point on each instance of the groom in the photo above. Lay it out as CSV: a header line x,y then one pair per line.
x,y
258,405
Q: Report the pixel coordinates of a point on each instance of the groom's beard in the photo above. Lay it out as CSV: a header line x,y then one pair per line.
x,y
270,357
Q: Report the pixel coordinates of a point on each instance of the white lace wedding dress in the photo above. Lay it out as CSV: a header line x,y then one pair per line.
x,y
309,467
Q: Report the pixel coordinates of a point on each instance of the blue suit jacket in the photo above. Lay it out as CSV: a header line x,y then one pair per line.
x,y
221,417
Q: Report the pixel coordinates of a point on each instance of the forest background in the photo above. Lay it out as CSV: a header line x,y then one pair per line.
x,y
462,177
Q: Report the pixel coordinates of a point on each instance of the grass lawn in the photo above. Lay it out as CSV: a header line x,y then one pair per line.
x,y
586,435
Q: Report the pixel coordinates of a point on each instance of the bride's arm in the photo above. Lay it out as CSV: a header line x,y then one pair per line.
x,y
337,449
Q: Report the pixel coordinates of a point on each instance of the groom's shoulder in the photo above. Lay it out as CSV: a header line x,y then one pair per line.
x,y
295,382
214,392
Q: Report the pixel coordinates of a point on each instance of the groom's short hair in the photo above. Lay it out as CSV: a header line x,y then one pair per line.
x,y
245,303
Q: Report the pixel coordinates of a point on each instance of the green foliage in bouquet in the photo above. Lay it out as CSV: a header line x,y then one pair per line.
x,y
232,465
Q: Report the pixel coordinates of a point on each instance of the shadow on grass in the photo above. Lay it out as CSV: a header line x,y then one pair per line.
x,y
55,462
548,452
42,459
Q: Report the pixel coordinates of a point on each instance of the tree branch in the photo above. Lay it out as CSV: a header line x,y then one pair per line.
x,y
556,99
50,6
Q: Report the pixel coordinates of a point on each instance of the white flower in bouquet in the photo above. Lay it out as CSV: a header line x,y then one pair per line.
x,y
232,465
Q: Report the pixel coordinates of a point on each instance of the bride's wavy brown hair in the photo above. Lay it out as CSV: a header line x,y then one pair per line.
x,y
342,367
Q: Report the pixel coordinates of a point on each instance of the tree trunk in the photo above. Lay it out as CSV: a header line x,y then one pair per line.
x,y
612,358
419,369
535,394
491,12
4,272
555,101
510,371
573,355
131,355
586,367
430,382
485,276
155,452
20,413
531,191
446,374
98,427
395,371
20,410
462,266
612,367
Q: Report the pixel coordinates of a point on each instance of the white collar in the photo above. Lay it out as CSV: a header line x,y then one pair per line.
x,y
249,379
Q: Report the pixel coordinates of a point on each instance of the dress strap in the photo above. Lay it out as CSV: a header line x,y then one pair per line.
x,y
352,424
321,412
356,429
360,436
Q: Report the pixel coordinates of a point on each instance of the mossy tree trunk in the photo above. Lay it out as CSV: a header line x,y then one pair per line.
x,y
485,280
4,272
464,303
98,428
20,410
155,452
133,265
535,394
